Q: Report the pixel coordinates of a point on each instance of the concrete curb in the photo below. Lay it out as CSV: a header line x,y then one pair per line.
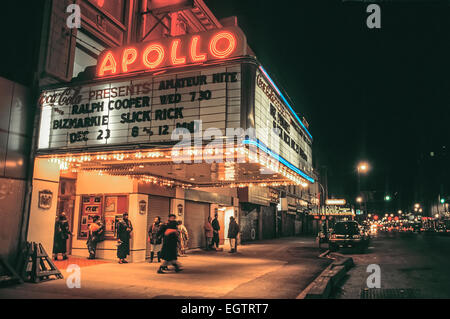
x,y
324,254
328,280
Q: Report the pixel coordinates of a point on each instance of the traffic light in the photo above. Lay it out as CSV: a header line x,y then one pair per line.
x,y
442,200
387,198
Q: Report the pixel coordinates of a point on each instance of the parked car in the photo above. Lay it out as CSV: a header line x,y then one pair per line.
x,y
348,234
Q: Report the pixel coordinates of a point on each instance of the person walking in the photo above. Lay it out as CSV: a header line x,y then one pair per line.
x,y
96,233
233,231
209,231
170,246
60,237
184,238
124,229
155,239
216,227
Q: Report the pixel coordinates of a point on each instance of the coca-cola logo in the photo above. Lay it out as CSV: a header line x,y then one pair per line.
x,y
69,96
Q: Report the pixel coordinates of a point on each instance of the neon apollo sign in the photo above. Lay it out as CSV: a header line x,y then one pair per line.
x,y
171,52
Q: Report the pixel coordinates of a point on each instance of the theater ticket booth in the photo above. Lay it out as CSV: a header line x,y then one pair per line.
x,y
175,126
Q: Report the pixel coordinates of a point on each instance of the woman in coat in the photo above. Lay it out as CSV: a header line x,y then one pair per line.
x,y
209,233
61,235
169,249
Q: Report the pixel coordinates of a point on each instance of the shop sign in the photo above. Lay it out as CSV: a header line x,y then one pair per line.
x,y
189,49
180,209
45,199
142,207
336,201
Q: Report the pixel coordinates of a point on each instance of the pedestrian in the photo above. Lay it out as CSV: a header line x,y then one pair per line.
x,y
233,231
96,235
170,245
184,238
155,239
209,231
216,227
124,229
60,237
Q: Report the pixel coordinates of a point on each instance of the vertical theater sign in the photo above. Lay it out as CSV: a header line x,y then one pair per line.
x,y
167,118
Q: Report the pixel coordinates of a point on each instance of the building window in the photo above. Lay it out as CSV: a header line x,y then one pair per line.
x,y
115,8
87,51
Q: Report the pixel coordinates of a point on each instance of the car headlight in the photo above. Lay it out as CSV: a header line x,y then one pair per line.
x,y
356,236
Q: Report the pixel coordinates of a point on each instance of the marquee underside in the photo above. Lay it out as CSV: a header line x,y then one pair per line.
x,y
191,168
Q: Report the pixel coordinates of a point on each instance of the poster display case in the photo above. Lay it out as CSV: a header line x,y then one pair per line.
x,y
110,209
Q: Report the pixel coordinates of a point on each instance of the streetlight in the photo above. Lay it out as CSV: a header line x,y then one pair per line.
x,y
363,167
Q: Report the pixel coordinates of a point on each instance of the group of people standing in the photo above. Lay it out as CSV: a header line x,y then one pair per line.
x,y
167,240
212,228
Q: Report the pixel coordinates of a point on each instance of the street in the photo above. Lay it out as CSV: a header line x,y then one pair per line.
x,y
415,265
278,269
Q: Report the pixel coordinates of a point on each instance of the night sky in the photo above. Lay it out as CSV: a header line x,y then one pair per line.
x,y
380,95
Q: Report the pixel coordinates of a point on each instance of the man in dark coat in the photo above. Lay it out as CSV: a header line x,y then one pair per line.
x,y
61,235
233,231
124,229
169,249
155,239
216,227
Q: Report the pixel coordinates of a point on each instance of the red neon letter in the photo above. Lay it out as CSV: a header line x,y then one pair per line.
x,y
160,56
173,53
129,56
218,53
194,56
108,64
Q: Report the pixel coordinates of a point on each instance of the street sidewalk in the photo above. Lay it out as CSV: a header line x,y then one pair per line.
x,y
279,268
